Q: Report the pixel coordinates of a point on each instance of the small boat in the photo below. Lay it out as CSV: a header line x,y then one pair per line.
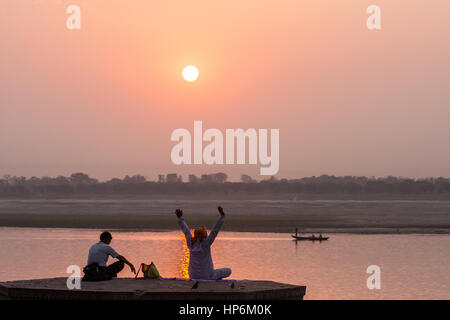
x,y
310,238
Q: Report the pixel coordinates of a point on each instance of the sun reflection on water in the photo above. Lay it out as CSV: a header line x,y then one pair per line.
x,y
185,259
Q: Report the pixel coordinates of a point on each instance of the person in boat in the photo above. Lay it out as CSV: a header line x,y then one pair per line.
x,y
320,236
200,262
313,237
96,269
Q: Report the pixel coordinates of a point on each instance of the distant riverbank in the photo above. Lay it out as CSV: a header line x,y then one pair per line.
x,y
332,216
288,196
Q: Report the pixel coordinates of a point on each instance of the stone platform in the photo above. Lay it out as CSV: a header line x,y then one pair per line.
x,y
159,289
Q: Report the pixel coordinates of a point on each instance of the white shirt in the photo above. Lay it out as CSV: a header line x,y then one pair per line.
x,y
200,263
99,253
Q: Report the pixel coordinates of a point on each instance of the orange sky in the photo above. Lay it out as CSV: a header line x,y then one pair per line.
x,y
105,99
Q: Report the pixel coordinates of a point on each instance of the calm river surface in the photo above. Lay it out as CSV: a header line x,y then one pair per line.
x,y
412,266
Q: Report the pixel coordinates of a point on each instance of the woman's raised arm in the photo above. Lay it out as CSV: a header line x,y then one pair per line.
x,y
215,230
184,227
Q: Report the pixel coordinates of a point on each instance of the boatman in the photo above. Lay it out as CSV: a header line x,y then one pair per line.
x,y
96,269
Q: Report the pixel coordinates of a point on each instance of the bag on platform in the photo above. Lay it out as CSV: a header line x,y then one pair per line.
x,y
149,271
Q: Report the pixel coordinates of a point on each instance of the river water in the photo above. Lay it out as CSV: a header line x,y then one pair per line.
x,y
412,266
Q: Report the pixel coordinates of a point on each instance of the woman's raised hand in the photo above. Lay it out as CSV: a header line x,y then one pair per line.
x,y
179,212
221,211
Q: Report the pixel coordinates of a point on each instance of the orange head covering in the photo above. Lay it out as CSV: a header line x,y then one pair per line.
x,y
200,233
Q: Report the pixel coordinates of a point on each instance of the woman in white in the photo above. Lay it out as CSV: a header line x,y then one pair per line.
x,y
200,262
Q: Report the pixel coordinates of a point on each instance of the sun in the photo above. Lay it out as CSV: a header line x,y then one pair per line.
x,y
190,73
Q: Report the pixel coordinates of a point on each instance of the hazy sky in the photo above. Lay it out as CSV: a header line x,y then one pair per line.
x,y
105,99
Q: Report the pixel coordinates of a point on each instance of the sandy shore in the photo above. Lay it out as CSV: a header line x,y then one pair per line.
x,y
327,216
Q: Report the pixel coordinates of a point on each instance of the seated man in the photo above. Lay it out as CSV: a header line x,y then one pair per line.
x,y
96,269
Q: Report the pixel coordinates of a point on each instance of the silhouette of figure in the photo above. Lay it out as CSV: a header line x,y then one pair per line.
x,y
200,260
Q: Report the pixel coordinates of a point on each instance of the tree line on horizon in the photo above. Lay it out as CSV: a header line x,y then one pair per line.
x,y
81,183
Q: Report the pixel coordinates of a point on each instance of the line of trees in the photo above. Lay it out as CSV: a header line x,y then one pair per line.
x,y
81,183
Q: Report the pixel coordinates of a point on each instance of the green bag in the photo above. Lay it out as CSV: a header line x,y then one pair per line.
x,y
149,271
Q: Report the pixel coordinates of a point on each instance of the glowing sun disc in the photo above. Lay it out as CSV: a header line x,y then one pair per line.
x,y
190,73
